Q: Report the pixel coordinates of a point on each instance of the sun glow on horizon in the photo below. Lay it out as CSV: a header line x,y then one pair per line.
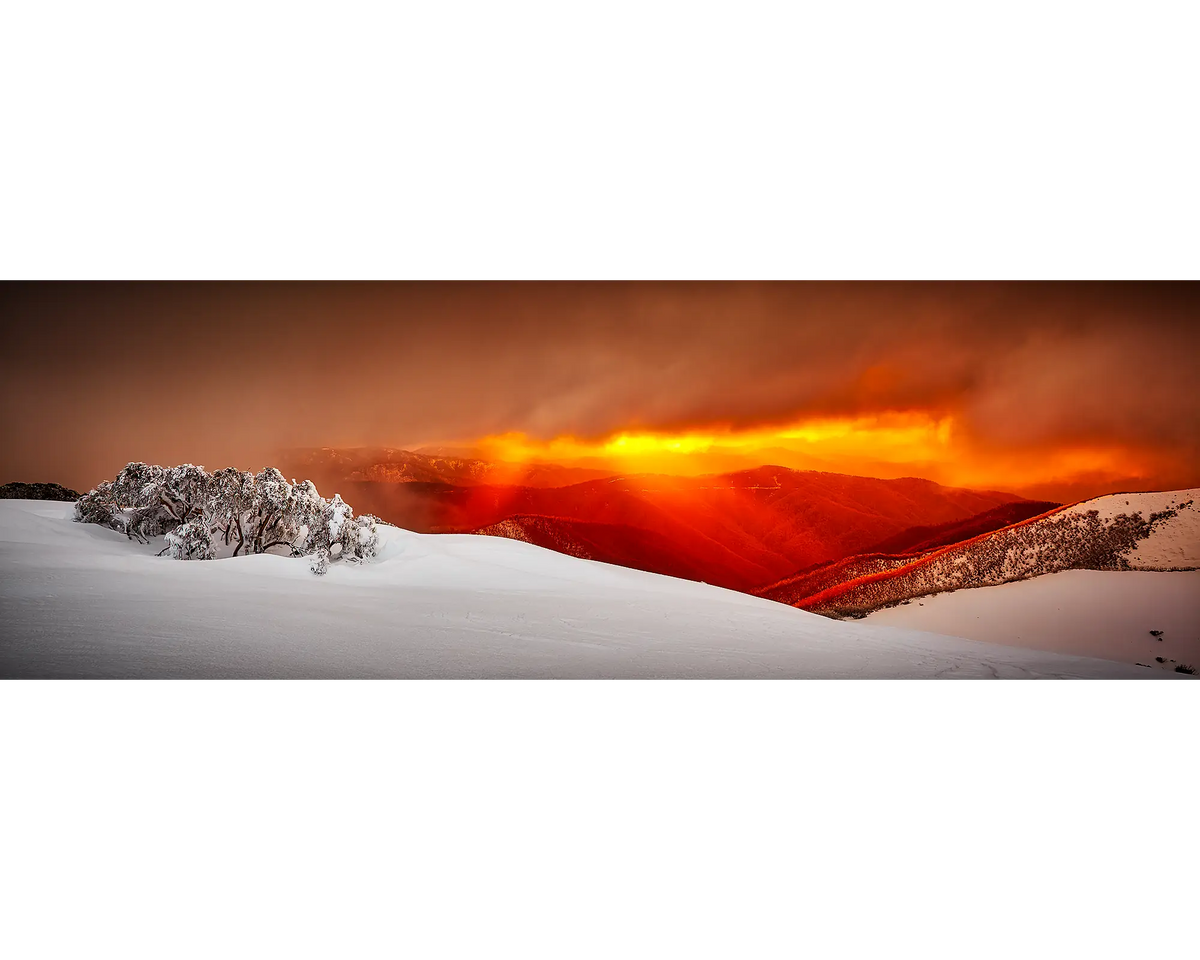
x,y
889,437
886,445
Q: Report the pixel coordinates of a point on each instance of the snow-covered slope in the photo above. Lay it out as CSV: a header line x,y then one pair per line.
x,y
80,600
1093,613
1129,531
1172,543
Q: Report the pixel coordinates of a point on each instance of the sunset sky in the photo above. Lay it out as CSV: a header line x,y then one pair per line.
x,y
1053,390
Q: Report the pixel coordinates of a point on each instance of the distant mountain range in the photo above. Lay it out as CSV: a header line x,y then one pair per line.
x,y
390,465
740,530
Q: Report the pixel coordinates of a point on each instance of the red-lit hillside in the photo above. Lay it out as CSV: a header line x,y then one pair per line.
x,y
1132,531
898,551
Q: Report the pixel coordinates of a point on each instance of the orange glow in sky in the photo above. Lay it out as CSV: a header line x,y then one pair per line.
x,y
884,445
887,437
1049,390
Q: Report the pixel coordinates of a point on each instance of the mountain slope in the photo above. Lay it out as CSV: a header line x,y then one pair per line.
x,y
896,551
1138,531
1087,613
81,600
819,577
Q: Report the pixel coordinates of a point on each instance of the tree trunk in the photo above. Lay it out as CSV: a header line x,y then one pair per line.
x,y
241,536
258,537
170,506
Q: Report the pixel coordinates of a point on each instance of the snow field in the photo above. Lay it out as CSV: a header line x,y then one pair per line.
x,y
80,600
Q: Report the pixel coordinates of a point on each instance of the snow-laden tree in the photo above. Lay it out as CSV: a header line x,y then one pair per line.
x,y
318,562
366,532
342,535
96,506
271,517
137,485
325,532
230,500
202,514
306,510
192,540
136,496
337,515
184,491
146,500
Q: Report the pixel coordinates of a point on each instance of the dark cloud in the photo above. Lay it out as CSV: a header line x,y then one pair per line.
x,y
97,374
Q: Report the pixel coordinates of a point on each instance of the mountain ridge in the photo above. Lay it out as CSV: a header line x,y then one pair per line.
x,y
1096,534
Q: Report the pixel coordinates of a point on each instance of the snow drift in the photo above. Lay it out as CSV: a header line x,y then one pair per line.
x,y
1151,618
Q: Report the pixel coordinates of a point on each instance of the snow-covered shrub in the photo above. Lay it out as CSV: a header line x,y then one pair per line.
x,y
337,514
143,523
184,490
340,534
366,537
202,514
96,506
191,541
270,509
304,514
230,499
318,562
107,505
325,526
137,485
147,500
305,508
271,490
